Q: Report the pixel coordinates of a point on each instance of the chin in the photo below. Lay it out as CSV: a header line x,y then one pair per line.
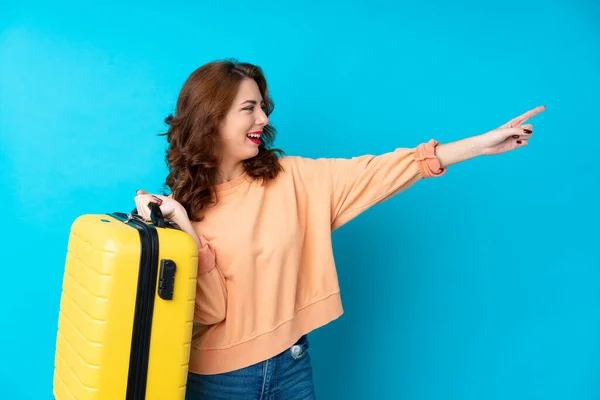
x,y
251,154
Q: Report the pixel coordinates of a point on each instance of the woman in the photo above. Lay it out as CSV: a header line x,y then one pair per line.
x,y
263,223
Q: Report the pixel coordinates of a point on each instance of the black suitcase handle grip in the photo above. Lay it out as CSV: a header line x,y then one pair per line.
x,y
156,216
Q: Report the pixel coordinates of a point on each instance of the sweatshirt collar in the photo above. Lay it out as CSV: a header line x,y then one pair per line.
x,y
233,183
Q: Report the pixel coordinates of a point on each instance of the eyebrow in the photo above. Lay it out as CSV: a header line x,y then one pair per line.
x,y
251,102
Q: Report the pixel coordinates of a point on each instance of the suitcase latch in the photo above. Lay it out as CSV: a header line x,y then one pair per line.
x,y
166,281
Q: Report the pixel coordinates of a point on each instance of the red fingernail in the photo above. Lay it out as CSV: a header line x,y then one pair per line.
x,y
519,142
527,130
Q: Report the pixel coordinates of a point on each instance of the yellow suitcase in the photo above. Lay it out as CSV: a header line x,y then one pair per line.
x,y
126,310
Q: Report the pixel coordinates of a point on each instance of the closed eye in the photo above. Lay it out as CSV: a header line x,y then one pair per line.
x,y
253,103
251,108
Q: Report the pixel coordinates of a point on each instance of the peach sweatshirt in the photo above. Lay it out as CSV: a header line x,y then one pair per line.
x,y
275,278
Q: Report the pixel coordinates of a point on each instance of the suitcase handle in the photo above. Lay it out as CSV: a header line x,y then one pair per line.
x,y
156,216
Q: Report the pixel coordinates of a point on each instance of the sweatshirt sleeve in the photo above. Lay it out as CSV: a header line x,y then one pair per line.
x,y
361,182
211,290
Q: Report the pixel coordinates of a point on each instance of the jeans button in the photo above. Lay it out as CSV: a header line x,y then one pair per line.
x,y
296,349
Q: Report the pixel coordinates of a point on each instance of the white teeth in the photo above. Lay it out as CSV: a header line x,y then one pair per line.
x,y
254,135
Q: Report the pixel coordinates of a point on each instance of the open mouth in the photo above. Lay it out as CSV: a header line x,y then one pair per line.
x,y
254,137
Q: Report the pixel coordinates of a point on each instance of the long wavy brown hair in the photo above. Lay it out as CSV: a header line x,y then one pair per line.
x,y
192,159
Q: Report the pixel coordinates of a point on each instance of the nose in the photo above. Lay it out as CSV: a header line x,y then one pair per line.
x,y
262,118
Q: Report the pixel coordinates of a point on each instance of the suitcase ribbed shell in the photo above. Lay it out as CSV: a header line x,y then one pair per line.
x,y
97,311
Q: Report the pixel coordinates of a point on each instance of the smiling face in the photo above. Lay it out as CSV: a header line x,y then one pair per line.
x,y
240,130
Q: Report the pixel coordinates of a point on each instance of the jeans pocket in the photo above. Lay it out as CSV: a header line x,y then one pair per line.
x,y
300,349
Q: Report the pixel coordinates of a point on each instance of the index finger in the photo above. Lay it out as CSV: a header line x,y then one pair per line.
x,y
529,114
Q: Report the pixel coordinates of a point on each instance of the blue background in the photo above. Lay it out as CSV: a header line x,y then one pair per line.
x,y
483,284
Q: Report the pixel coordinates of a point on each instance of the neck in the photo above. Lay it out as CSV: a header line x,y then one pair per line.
x,y
229,172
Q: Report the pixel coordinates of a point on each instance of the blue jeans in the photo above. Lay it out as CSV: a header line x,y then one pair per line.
x,y
288,375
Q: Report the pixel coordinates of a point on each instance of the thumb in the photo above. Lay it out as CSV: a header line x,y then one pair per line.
x,y
206,245
515,132
139,191
203,242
